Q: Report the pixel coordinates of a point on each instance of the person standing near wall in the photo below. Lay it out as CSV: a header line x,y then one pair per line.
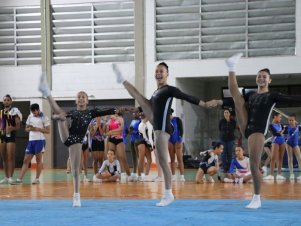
x,y
292,145
10,120
134,133
96,128
175,147
37,125
227,127
278,147
115,132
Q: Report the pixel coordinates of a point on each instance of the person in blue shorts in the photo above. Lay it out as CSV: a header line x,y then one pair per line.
x,y
37,125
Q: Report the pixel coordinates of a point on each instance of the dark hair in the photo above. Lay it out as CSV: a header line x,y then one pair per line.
x,y
171,111
265,70
216,144
238,146
293,115
140,109
275,114
164,65
8,96
34,107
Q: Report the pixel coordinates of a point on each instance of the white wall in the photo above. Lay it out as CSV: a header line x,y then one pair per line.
x,y
97,80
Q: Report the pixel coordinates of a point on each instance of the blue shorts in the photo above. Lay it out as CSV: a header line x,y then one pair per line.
x,y
34,147
279,140
174,139
292,143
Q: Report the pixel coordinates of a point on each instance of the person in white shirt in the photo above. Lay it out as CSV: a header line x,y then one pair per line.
x,y
239,171
37,125
145,145
110,170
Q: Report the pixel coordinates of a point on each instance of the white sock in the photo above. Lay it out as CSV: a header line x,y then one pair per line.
x,y
76,195
168,192
119,77
232,62
167,198
43,85
255,203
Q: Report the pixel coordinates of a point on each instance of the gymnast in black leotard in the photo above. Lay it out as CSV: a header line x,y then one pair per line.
x,y
157,109
260,106
73,137
253,112
161,101
80,121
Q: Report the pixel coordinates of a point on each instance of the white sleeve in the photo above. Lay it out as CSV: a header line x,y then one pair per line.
x,y
118,167
16,111
248,164
102,168
141,129
46,121
28,120
212,158
150,133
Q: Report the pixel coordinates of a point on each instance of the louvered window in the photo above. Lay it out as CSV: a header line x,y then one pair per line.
x,y
201,29
93,33
20,36
7,36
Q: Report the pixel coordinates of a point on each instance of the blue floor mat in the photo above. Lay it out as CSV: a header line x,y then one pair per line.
x,y
144,212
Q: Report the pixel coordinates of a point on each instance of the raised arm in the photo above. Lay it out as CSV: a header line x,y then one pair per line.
x,y
177,93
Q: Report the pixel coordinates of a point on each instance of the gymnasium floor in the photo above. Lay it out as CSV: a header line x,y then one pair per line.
x,y
49,203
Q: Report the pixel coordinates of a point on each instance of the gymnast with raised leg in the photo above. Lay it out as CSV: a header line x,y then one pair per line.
x,y
253,111
157,109
73,137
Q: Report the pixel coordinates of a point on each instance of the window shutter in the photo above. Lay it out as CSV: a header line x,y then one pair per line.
x,y
271,28
7,36
93,33
203,29
177,29
28,35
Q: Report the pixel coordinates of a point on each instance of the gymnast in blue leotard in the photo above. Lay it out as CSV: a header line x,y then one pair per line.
x,y
175,146
292,147
278,147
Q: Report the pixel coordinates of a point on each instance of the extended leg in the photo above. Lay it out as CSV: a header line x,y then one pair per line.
x,y
161,143
255,144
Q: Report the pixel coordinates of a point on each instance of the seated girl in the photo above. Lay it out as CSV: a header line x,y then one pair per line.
x,y
239,171
110,169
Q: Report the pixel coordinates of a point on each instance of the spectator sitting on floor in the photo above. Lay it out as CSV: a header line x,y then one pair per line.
x,y
239,171
110,169
209,162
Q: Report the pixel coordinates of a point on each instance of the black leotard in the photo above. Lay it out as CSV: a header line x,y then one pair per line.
x,y
80,121
161,102
260,106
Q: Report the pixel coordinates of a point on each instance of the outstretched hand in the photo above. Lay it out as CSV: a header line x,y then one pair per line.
x,y
213,103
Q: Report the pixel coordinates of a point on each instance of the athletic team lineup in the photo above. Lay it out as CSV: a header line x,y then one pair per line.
x,y
156,129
